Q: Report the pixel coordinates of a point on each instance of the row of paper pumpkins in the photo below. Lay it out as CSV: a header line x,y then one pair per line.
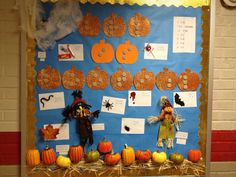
x,y
128,156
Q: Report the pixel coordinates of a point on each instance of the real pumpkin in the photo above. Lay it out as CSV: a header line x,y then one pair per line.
x,y
112,159
143,156
128,155
92,156
194,155
104,146
33,157
63,162
102,52
76,153
159,157
48,156
176,158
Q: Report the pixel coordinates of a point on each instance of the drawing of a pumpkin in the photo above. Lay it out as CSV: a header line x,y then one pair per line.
x,y
102,52
188,80
194,155
104,146
97,79
112,159
143,156
144,80
126,53
139,25
89,25
33,157
73,79
63,162
76,153
48,156
128,155
114,26
166,80
49,78
121,80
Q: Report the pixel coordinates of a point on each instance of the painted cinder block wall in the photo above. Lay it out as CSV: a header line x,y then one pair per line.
x,y
224,92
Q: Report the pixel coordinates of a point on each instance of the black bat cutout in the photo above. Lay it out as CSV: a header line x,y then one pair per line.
x,y
45,99
178,100
127,128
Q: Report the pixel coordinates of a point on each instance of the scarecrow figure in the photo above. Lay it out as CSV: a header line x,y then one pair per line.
x,y
80,111
168,118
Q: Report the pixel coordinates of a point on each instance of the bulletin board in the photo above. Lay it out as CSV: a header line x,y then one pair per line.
x,y
166,59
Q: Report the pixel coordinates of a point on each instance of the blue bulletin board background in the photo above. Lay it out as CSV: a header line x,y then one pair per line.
x,y
161,19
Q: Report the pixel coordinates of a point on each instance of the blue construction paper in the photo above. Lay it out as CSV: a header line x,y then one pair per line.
x,y
161,19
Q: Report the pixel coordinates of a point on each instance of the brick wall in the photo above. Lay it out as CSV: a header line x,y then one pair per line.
x,y
224,94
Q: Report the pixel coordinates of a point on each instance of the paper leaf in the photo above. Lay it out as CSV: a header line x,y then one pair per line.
x,y
49,133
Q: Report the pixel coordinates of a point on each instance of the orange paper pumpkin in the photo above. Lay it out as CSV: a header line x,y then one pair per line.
x,y
32,157
143,156
112,159
114,26
49,78
48,156
73,79
76,153
188,80
166,80
139,25
126,53
97,79
102,52
194,155
144,80
121,80
90,25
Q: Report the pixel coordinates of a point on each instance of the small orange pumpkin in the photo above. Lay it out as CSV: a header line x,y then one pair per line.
x,y
166,80
102,52
49,78
112,159
90,25
121,80
128,155
143,156
139,25
33,157
76,153
73,79
104,146
97,79
114,26
126,53
48,156
194,155
188,80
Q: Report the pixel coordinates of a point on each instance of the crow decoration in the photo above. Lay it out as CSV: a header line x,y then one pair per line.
x,y
80,111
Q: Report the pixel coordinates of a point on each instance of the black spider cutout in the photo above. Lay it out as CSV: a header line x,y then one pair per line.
x,y
108,105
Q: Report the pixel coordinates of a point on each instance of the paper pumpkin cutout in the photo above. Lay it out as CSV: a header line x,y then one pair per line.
x,y
114,26
166,80
144,80
121,80
188,80
90,25
49,78
102,52
49,133
139,25
73,79
97,79
126,53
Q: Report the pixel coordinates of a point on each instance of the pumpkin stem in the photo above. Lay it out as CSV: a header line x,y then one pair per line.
x,y
102,41
126,146
104,139
47,147
158,151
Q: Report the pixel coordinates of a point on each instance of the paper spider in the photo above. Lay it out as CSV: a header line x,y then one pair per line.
x,y
108,105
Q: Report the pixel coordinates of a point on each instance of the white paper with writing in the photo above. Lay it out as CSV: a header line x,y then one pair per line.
x,y
184,35
63,131
155,51
54,100
132,126
98,126
139,98
42,55
181,141
62,149
185,99
181,135
113,105
70,52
